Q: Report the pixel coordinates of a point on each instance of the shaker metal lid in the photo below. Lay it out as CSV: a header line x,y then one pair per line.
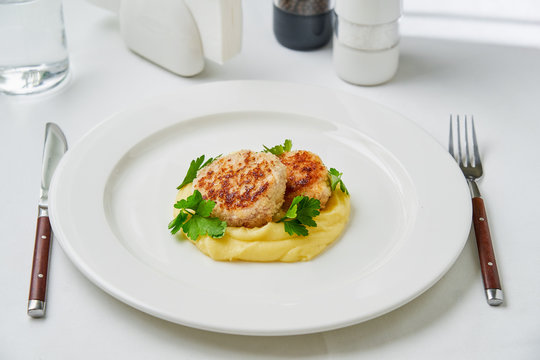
x,y
369,12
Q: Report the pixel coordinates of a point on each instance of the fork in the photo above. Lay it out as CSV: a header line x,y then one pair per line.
x,y
471,166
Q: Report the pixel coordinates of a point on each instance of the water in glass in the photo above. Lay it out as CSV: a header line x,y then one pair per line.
x,y
33,51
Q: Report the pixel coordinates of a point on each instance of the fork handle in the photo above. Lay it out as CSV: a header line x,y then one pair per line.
x,y
488,265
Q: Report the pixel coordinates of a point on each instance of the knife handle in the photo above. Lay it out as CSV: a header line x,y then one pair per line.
x,y
40,264
488,265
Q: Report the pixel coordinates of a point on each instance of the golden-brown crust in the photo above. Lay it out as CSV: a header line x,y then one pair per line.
x,y
236,186
247,187
306,176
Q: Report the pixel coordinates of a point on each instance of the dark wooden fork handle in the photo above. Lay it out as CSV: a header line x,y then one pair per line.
x,y
40,265
488,265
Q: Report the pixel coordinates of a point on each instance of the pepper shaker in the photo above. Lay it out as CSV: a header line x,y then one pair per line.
x,y
366,40
303,24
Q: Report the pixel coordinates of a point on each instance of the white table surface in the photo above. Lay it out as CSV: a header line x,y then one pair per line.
x,y
498,83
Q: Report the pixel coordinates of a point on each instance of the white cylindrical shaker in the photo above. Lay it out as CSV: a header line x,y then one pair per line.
x,y
366,40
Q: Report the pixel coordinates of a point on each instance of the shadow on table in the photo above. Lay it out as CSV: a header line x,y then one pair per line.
x,y
422,59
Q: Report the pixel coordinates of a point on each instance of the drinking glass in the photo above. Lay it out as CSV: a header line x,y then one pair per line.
x,y
33,51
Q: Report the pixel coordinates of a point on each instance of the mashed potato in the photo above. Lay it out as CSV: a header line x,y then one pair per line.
x,y
270,242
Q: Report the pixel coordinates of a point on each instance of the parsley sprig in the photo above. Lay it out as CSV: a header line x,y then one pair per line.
x,y
195,166
194,218
279,149
300,214
335,178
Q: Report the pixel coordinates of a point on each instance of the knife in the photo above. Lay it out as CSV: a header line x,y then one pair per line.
x,y
55,146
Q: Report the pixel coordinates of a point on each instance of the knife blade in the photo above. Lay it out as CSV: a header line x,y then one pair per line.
x,y
54,147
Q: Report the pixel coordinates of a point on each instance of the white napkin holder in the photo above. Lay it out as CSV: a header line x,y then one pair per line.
x,y
179,34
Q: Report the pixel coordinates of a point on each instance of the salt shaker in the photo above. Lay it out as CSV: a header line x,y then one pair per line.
x,y
366,40
303,24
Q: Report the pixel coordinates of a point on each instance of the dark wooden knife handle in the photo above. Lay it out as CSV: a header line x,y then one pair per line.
x,y
40,262
488,265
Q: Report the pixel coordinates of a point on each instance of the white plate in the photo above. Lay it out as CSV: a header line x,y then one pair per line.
x,y
112,195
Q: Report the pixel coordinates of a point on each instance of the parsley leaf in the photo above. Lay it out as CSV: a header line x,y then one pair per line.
x,y
205,208
335,178
279,149
199,225
177,222
295,227
300,214
195,166
194,218
191,202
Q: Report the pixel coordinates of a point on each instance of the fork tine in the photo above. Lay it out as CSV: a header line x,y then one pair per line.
x,y
468,161
460,157
475,145
451,140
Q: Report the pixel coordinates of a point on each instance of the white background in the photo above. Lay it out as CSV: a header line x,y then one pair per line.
x,y
480,58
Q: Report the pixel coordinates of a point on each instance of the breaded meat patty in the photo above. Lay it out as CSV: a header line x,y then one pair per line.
x,y
306,176
247,187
